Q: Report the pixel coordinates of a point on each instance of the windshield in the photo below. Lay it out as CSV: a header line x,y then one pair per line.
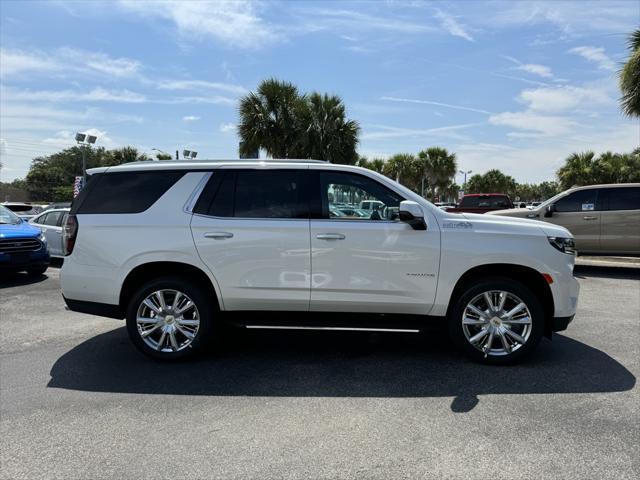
x,y
8,217
551,200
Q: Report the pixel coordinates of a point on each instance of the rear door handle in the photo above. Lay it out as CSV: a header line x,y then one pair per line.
x,y
218,235
330,236
590,218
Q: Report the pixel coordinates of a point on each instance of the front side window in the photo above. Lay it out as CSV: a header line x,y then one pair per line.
x,y
624,198
255,194
580,201
349,196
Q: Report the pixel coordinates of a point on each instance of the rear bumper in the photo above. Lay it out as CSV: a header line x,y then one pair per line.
x,y
561,323
94,308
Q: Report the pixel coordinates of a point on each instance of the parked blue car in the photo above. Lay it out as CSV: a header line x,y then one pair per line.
x,y
22,246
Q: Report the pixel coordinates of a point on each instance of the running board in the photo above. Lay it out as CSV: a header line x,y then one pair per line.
x,y
348,329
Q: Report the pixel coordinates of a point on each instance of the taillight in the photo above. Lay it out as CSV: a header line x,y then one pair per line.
x,y
69,233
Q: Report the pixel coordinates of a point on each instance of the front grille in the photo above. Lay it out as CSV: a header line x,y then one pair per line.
x,y
17,245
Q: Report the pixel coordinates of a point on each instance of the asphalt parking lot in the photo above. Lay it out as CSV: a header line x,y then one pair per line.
x,y
76,400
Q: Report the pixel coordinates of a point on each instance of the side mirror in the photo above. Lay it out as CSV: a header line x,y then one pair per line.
x,y
411,213
550,209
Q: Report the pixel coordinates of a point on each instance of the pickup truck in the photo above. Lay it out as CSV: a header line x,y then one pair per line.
x,y
482,203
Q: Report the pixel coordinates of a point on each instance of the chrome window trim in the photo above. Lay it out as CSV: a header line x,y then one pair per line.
x,y
195,195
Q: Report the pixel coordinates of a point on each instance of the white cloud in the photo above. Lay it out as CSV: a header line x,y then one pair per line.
x,y
234,23
66,61
387,132
451,25
559,99
528,120
16,61
534,68
98,94
438,104
595,55
201,85
323,19
190,118
228,127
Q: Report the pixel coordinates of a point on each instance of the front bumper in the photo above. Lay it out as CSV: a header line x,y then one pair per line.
x,y
561,323
24,261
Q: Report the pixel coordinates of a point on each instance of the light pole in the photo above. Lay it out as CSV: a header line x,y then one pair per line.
x,y
465,175
85,140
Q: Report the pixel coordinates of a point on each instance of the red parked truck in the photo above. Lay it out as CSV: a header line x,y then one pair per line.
x,y
482,203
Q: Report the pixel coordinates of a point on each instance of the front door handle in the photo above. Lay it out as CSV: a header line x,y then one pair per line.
x,y
330,236
218,235
588,217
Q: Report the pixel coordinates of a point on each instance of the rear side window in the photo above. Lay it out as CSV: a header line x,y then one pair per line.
x,y
127,192
624,198
52,219
580,201
255,194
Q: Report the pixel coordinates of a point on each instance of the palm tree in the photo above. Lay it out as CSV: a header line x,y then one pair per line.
x,y
403,168
577,170
630,78
438,167
268,120
328,135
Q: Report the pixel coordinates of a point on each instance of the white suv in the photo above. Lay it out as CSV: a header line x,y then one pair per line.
x,y
177,248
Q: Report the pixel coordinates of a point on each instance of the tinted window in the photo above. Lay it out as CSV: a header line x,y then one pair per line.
x,y
486,201
52,219
269,194
342,191
127,192
624,198
580,201
208,193
256,194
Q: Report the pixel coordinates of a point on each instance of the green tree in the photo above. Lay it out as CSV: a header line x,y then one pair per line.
x,y
51,177
163,156
327,133
437,168
493,181
578,169
286,124
630,78
269,119
403,168
376,164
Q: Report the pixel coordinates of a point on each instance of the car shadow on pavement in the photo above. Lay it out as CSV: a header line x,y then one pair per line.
x,y
329,364
8,280
620,273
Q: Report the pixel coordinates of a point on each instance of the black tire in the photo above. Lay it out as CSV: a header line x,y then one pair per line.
x,y
205,307
507,285
37,271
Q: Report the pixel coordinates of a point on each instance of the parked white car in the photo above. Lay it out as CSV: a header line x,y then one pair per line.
x,y
178,247
51,222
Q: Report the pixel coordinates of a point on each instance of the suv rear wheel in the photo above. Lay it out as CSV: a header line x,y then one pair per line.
x,y
169,318
497,321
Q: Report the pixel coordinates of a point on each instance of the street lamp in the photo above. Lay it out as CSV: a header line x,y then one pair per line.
x,y
465,175
85,140
189,154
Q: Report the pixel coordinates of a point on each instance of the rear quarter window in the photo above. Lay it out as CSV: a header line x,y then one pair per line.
x,y
126,192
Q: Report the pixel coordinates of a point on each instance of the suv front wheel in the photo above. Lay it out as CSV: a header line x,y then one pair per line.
x,y
497,321
169,318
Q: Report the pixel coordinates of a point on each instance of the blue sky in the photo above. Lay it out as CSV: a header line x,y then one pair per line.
x,y
510,85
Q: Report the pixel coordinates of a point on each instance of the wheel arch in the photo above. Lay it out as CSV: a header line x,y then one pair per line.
x,y
525,275
151,270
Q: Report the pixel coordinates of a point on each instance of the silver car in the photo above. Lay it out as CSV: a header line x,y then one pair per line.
x,y
603,219
51,222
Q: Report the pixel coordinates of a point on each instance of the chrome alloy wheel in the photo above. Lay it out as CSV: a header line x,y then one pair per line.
x,y
497,323
168,321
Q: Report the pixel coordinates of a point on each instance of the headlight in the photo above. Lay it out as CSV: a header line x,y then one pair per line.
x,y
565,245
